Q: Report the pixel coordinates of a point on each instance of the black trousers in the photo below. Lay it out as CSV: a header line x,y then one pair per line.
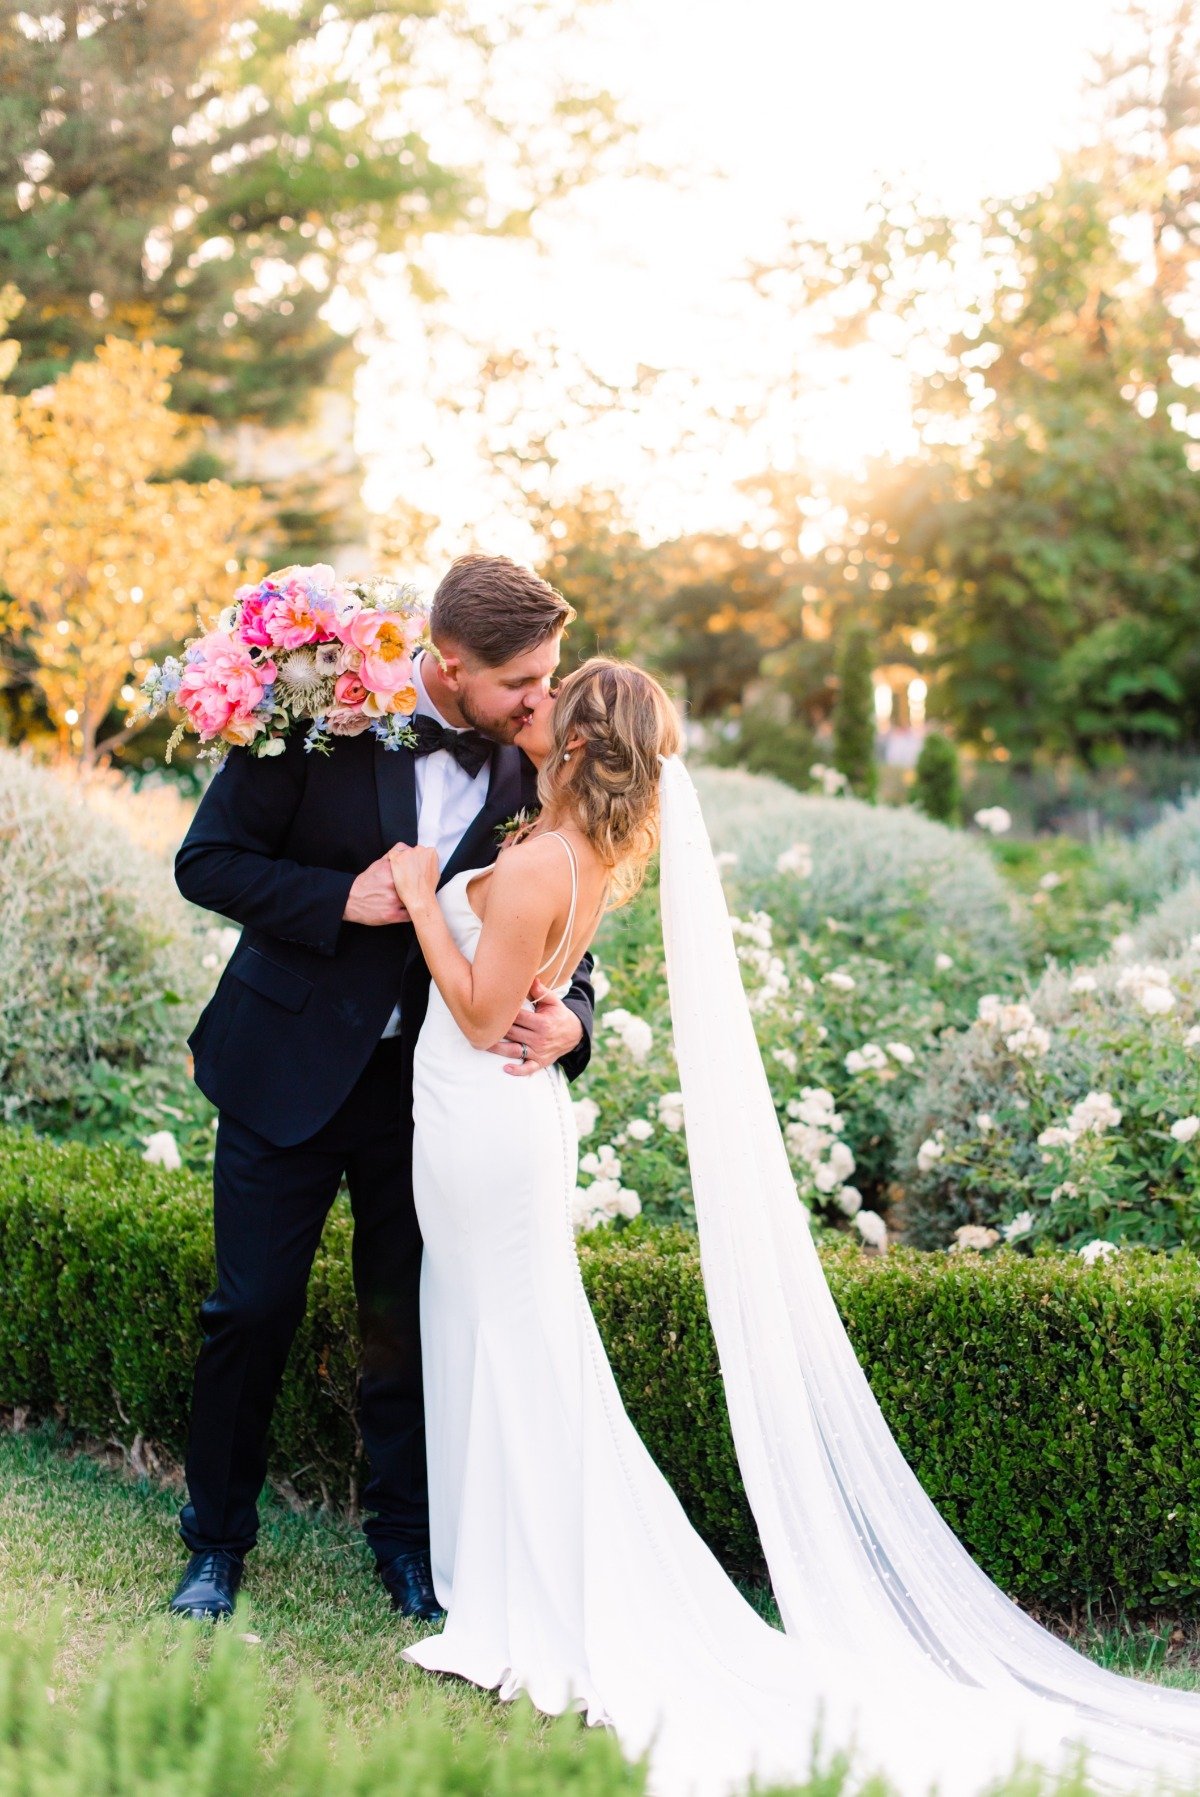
x,y
269,1208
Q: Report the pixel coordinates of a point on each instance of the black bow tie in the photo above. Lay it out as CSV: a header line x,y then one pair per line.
x,y
471,750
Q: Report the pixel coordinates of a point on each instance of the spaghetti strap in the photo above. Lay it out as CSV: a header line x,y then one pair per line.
x,y
564,941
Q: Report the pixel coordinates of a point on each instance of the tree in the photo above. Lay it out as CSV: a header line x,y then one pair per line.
x,y
938,792
205,174
1047,535
854,715
105,560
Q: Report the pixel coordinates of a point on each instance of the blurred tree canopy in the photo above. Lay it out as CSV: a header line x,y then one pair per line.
x,y
204,173
106,562
1047,535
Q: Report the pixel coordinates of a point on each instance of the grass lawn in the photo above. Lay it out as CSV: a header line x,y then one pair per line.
x,y
91,1553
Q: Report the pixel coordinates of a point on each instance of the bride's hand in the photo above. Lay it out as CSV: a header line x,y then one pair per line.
x,y
415,875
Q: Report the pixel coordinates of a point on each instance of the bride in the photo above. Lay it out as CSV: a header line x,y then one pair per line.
x,y
565,1562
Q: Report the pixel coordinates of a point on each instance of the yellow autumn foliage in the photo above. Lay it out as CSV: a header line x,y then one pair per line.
x,y
107,563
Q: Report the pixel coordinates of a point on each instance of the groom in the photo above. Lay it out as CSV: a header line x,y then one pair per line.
x,y
306,1049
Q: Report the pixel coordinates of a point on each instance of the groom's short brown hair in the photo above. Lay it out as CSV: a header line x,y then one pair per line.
x,y
495,609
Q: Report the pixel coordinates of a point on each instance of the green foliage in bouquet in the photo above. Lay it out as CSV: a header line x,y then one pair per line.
x,y
1070,1117
937,791
1047,1406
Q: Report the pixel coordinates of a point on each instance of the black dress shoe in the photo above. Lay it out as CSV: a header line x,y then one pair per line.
x,y
409,1581
208,1586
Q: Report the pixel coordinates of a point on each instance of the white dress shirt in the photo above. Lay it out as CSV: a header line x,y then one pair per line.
x,y
448,798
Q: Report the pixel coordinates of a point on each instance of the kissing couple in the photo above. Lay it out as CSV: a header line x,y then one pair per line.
x,y
405,1009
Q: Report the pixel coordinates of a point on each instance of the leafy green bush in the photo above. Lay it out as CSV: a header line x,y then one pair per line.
x,y
1067,1118
102,965
192,1723
1161,858
937,791
1047,1406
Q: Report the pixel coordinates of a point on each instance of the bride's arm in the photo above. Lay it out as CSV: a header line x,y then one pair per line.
x,y
527,893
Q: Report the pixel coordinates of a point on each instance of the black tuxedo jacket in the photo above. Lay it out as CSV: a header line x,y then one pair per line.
x,y
275,845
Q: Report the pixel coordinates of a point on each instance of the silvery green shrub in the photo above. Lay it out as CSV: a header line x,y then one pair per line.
x,y
101,961
898,883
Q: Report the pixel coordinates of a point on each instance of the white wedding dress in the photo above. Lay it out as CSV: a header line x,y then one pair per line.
x,y
566,1564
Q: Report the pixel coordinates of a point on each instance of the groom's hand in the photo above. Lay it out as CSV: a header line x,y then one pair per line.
x,y
547,1033
373,898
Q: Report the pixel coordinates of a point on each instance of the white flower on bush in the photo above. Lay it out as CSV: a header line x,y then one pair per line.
x,y
1019,1226
796,860
839,980
931,1151
162,1150
1094,1251
872,1228
1068,1189
1192,1039
817,1107
670,1111
1122,944
848,1201
994,819
1094,1114
1049,882
942,963
1084,982
757,928
635,1033
1057,1136
867,1059
1030,1043
601,984
600,1202
586,1113
830,779
725,861
900,1051
786,1058
602,1164
973,1238
640,1130
1185,1128
985,1123
1149,985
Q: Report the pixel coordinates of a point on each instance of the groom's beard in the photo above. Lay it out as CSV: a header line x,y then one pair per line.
x,y
497,730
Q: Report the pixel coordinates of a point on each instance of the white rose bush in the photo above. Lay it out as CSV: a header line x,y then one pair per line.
x,y
1073,1112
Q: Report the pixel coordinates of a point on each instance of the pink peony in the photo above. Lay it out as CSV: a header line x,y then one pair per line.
x,y
221,685
295,620
384,641
252,625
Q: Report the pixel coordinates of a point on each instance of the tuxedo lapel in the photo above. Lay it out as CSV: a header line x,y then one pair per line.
x,y
478,844
396,795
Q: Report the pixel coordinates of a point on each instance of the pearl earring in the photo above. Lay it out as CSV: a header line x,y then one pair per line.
x,y
566,754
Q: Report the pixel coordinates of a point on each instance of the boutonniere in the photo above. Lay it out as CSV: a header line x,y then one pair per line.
x,y
517,826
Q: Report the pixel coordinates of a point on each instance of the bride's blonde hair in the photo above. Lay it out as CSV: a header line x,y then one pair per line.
x,y
609,780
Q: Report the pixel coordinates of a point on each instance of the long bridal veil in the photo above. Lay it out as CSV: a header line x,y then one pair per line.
x,y
855,1549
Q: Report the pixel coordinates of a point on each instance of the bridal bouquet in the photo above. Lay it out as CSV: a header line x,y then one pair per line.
x,y
300,646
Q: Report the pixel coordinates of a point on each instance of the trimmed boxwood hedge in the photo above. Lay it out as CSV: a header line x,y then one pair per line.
x,y
1051,1410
